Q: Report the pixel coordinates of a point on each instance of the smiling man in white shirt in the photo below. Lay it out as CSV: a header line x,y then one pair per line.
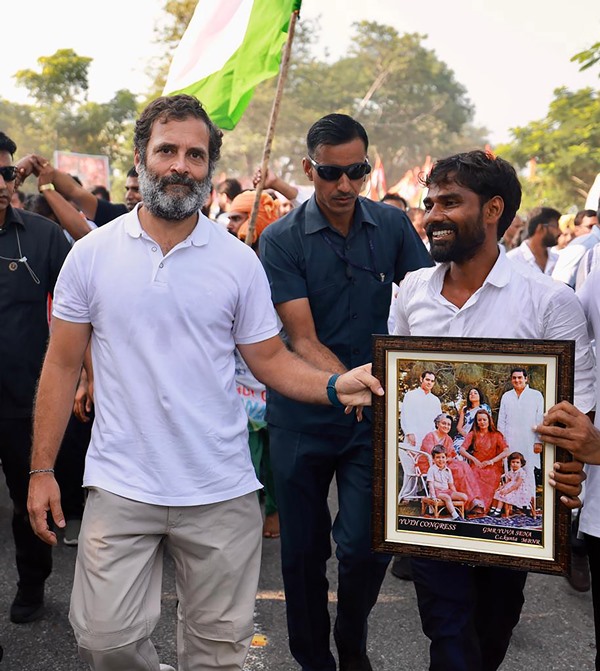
x,y
475,291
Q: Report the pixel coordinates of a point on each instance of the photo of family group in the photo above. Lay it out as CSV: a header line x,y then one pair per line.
x,y
459,470
467,451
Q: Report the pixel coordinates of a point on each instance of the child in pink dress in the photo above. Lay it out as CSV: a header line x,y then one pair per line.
x,y
516,489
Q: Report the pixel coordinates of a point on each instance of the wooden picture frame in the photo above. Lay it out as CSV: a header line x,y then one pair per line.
x,y
406,518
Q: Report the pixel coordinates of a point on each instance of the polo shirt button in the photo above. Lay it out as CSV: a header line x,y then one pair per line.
x,y
356,351
354,316
154,249
161,265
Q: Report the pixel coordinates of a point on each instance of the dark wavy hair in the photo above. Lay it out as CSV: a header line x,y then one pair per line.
x,y
482,398
178,108
484,174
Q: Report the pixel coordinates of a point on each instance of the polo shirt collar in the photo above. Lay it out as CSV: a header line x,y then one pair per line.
x,y
13,217
315,221
198,237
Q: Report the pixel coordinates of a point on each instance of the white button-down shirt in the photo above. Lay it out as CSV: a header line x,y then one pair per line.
x,y
523,254
589,522
511,303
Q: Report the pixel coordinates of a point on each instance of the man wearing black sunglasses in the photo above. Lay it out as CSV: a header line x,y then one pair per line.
x,y
331,263
32,250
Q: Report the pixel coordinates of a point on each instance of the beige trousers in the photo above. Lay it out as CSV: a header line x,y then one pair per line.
x,y
115,603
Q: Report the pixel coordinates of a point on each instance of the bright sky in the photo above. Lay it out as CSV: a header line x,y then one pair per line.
x,y
510,55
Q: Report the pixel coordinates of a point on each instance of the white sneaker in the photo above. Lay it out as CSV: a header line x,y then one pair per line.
x,y
166,667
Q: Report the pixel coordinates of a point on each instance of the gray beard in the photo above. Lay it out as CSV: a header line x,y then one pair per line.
x,y
172,206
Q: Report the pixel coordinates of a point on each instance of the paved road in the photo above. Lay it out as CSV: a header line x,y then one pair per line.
x,y
555,632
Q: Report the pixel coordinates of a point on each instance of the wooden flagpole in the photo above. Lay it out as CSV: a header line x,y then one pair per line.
x,y
285,63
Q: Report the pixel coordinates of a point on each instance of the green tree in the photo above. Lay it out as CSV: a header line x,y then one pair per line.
x,y
62,80
408,99
566,148
589,57
62,117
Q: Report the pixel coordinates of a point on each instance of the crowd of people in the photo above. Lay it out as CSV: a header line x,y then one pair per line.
x,y
211,368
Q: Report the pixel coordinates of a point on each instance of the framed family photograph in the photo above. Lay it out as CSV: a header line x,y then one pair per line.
x,y
459,472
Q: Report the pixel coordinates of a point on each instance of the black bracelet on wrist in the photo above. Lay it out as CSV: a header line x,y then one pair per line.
x,y
332,392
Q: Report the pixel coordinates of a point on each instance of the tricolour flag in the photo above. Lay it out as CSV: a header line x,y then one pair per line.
x,y
228,48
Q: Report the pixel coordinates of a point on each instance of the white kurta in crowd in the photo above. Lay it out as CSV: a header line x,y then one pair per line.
x,y
589,295
417,413
170,428
516,417
523,254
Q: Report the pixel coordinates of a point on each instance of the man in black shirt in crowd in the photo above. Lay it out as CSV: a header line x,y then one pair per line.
x,y
32,250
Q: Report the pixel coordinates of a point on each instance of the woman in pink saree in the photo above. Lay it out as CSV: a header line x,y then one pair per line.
x,y
485,449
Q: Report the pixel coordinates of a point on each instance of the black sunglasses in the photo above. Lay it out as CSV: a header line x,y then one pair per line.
x,y
331,173
8,172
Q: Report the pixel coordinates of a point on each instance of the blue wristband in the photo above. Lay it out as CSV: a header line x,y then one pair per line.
x,y
332,393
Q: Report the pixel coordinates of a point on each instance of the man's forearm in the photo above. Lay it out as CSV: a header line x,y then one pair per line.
x,y
53,405
68,217
295,377
292,376
318,355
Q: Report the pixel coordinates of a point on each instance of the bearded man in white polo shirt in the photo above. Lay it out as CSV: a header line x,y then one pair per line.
x,y
475,291
166,295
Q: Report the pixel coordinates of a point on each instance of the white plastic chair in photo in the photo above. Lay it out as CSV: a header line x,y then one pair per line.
x,y
413,480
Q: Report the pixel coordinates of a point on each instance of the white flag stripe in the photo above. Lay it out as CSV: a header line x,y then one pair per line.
x,y
214,34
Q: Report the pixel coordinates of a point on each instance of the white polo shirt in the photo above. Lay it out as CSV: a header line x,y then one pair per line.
x,y
511,303
170,428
